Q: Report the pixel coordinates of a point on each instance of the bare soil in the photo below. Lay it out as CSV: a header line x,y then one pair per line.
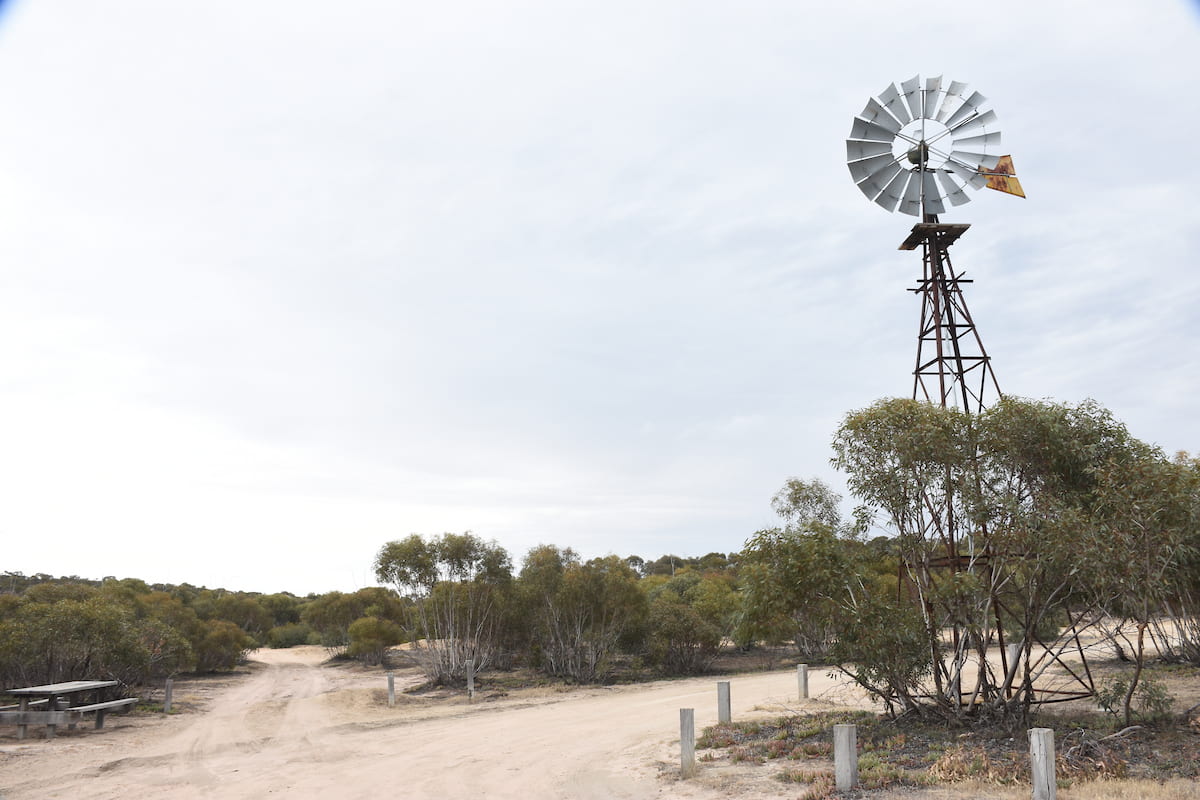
x,y
292,724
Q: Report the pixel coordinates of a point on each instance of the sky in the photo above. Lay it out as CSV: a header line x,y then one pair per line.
x,y
283,281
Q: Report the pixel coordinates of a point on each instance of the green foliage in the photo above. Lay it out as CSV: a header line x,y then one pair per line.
x,y
882,644
1152,701
284,608
221,645
245,611
1030,513
370,638
459,588
71,635
793,582
795,578
292,634
804,503
579,613
681,640
331,615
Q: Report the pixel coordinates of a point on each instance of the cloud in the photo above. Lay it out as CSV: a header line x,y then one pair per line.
x,y
289,276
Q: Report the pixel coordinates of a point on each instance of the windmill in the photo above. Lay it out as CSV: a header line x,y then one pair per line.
x,y
916,148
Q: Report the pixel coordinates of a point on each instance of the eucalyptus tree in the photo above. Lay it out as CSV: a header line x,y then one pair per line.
x,y
1144,546
579,612
795,577
999,519
457,583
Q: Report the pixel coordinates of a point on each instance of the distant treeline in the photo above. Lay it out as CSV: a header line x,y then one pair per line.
x,y
64,628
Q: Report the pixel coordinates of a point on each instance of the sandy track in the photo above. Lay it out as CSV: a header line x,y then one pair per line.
x,y
294,728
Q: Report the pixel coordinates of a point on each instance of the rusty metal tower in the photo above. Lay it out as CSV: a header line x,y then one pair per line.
x,y
953,367
915,149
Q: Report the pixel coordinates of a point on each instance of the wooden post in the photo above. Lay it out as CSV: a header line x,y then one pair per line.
x,y
391,689
724,714
845,757
471,681
687,742
167,692
24,706
1041,762
802,680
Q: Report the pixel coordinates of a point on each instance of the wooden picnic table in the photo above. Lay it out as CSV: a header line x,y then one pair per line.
x,y
49,696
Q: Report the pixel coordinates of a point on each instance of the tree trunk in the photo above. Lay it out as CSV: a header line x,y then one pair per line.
x,y
1137,671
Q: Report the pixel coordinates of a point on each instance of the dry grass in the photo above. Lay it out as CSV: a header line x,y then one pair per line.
x,y
1177,789
908,759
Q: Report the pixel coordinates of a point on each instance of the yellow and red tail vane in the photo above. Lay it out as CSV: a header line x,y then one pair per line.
x,y
1003,177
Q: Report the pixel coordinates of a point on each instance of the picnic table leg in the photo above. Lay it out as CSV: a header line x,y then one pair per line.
x,y
24,708
51,705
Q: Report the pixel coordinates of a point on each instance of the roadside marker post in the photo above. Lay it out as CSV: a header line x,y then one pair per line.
x,y
1041,762
687,742
845,757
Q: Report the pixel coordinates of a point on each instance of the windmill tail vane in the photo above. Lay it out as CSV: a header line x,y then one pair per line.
x,y
1003,177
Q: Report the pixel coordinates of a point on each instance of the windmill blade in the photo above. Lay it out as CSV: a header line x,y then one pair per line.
x,y
967,158
858,149
933,194
866,167
970,158
955,96
894,191
968,174
969,106
933,87
952,188
876,113
870,131
910,203
978,123
912,95
890,97
983,141
874,186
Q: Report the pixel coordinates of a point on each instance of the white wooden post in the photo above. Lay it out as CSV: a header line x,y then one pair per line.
x,y
391,689
802,680
471,681
845,757
724,714
1041,762
167,696
687,742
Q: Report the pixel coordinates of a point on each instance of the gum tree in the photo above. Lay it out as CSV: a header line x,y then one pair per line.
x,y
456,582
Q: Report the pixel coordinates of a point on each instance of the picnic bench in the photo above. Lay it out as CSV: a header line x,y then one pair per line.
x,y
52,705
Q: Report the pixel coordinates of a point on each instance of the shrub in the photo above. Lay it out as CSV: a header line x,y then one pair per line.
x,y
222,645
681,640
370,637
292,635
1152,701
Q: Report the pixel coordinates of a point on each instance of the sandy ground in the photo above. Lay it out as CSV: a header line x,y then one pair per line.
x,y
294,728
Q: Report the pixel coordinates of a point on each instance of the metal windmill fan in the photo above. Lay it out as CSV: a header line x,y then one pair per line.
x,y
914,148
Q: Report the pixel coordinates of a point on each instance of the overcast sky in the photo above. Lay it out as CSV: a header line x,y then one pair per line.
x,y
282,281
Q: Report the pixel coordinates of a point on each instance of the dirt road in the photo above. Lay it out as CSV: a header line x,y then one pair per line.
x,y
294,728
